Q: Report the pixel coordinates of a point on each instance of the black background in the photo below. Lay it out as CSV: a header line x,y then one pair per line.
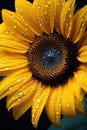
x,y
24,123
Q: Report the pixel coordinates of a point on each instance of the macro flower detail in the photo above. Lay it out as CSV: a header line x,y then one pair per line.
x,y
43,56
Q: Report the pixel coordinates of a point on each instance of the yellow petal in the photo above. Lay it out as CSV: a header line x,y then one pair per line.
x,y
66,17
20,109
81,77
4,72
12,61
45,14
12,23
57,13
28,16
53,106
83,40
68,103
39,102
74,87
12,79
6,34
79,105
23,80
82,54
21,95
13,46
79,24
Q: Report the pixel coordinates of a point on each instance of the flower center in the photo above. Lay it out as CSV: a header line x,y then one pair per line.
x,y
52,59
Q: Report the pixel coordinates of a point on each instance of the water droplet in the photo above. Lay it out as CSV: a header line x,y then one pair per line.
x,y
40,25
49,2
26,29
6,32
20,93
26,24
16,9
62,3
67,24
24,77
22,17
15,26
31,90
6,68
39,6
80,76
81,30
12,16
67,105
68,9
82,20
12,32
19,99
10,88
35,117
37,106
45,12
19,80
46,6
57,113
5,37
40,96
70,15
60,104
58,3
38,100
21,10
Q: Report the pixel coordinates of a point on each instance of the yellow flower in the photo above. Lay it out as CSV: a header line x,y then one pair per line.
x,y
43,56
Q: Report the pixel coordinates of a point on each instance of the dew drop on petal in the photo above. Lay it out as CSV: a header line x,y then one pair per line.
x,y
62,3
12,32
58,3
70,15
10,88
81,76
60,104
6,32
19,80
15,26
26,24
57,113
16,9
5,37
31,90
67,105
20,93
6,68
21,10
38,100
39,6
19,100
37,106
12,16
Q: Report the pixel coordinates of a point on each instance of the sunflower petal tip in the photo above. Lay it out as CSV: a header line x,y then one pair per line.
x,y
15,116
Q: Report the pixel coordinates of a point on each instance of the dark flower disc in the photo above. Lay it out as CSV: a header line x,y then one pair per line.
x,y
52,59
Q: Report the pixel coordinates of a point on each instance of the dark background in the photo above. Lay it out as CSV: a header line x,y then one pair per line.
x,y
24,123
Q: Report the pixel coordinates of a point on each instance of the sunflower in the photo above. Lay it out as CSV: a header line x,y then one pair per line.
x,y
43,56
